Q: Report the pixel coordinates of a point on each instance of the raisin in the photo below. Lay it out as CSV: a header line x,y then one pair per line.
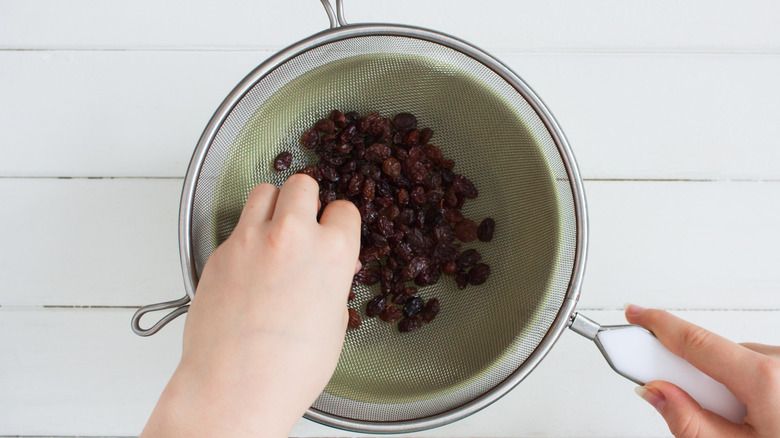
x,y
450,268
404,122
409,323
461,279
312,172
412,138
376,305
403,196
369,188
309,139
391,314
468,258
418,195
377,153
338,118
355,184
378,240
327,196
391,167
430,310
479,274
325,126
486,229
400,298
413,306
433,153
444,252
444,233
416,265
354,320
464,186
425,135
282,161
466,230
329,173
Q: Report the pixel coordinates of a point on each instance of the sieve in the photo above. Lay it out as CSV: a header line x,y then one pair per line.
x,y
501,136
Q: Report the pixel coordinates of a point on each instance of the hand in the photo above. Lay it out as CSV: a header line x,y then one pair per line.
x,y
750,371
266,326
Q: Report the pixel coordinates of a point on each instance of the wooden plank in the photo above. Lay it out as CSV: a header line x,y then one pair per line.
x,y
689,245
82,242
82,372
89,242
724,25
674,244
626,116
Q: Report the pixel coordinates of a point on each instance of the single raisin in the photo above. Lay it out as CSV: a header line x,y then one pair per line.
x,y
309,139
413,306
464,186
461,279
391,167
391,314
354,320
325,126
466,230
404,121
425,135
430,310
376,305
486,229
418,195
282,161
468,258
338,118
479,274
409,323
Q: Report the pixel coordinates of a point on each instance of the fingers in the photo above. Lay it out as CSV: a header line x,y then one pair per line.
x,y
685,418
259,206
769,350
345,217
721,359
298,197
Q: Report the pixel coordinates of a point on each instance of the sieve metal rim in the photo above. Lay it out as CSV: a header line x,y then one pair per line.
x,y
565,313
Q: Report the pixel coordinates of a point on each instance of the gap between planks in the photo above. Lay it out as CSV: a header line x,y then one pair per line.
x,y
692,180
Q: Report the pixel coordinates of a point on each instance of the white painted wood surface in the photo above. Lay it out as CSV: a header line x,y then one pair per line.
x,y
82,372
671,108
140,113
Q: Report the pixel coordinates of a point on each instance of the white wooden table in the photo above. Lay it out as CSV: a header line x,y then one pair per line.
x,y
672,109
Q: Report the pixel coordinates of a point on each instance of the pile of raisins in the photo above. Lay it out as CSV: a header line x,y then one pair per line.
x,y
410,201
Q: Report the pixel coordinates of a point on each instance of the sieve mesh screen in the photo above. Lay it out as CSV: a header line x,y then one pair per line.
x,y
483,334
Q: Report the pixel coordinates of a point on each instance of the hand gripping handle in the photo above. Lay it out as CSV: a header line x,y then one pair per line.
x,y
636,354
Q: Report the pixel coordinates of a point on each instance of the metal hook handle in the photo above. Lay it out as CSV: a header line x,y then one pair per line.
x,y
180,305
337,18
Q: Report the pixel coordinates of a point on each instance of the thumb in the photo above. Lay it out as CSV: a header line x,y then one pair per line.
x,y
684,416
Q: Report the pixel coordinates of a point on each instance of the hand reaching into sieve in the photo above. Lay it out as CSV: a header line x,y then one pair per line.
x,y
267,323
750,371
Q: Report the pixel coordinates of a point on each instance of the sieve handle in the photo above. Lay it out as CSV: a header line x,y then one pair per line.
x,y
337,18
638,355
180,306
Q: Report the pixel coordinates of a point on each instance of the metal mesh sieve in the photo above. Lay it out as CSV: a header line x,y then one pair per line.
x,y
501,136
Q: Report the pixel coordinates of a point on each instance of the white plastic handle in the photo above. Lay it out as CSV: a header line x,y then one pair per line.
x,y
638,355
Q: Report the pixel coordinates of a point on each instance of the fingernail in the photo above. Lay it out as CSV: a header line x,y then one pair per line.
x,y
358,267
633,309
652,396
